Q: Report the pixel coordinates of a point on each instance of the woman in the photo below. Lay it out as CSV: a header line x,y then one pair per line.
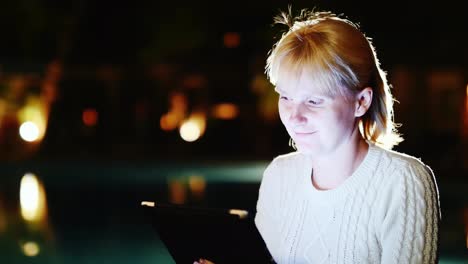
x,y
343,196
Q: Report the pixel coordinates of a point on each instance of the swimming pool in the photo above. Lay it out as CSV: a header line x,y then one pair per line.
x,y
92,210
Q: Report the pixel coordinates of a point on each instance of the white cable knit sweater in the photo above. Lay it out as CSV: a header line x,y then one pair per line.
x,y
387,211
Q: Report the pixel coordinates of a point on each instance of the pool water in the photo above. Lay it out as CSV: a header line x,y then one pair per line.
x,y
93,215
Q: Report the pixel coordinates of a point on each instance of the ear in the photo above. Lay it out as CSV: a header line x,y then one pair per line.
x,y
363,101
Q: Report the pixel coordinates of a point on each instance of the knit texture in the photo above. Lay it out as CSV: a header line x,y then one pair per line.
x,y
387,211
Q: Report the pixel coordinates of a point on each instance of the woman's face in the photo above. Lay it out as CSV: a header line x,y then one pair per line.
x,y
317,123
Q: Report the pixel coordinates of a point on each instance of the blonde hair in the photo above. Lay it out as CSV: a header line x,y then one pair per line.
x,y
334,52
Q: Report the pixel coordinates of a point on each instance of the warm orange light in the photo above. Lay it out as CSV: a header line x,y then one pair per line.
x,y
168,121
3,218
90,117
178,107
177,191
197,185
178,102
231,39
464,133
194,81
225,111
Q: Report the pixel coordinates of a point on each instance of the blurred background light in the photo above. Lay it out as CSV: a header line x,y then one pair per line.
x,y
190,131
90,117
33,116
168,121
3,217
225,111
231,39
177,191
29,131
193,128
197,185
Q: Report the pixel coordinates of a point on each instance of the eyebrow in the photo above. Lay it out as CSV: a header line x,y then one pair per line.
x,y
278,90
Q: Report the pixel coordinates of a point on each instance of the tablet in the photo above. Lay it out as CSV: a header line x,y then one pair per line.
x,y
219,235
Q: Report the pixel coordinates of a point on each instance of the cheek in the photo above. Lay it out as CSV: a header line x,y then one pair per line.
x,y
343,118
283,112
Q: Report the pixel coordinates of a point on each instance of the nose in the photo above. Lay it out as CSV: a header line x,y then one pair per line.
x,y
296,115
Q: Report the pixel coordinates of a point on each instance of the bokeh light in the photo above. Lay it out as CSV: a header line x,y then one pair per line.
x,y
177,191
197,185
225,111
90,117
190,131
193,128
34,115
30,249
231,39
29,131
168,121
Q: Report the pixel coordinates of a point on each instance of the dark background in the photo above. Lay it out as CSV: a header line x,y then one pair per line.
x,y
124,58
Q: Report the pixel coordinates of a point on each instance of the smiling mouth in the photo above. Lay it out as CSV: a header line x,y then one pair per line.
x,y
304,133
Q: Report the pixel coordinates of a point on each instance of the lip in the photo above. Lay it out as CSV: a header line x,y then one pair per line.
x,y
304,134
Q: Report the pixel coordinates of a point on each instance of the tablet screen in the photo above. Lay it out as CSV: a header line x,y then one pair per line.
x,y
219,235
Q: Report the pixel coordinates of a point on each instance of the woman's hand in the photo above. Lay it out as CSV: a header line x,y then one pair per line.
x,y
203,261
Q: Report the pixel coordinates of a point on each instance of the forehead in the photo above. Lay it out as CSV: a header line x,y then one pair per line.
x,y
301,84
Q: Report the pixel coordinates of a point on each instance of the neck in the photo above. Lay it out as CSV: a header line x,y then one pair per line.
x,y
330,170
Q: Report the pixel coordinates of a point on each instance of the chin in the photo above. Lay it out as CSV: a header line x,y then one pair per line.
x,y
308,150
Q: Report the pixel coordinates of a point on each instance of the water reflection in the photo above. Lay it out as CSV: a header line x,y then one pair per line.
x,y
32,199
30,249
93,215
181,189
3,216
177,191
197,185
465,218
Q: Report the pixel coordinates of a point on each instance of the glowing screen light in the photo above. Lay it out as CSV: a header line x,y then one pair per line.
x,y
29,131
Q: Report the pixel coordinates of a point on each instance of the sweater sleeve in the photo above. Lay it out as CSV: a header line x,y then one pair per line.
x,y
409,217
266,218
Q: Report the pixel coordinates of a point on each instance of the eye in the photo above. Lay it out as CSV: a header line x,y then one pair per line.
x,y
314,102
282,97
